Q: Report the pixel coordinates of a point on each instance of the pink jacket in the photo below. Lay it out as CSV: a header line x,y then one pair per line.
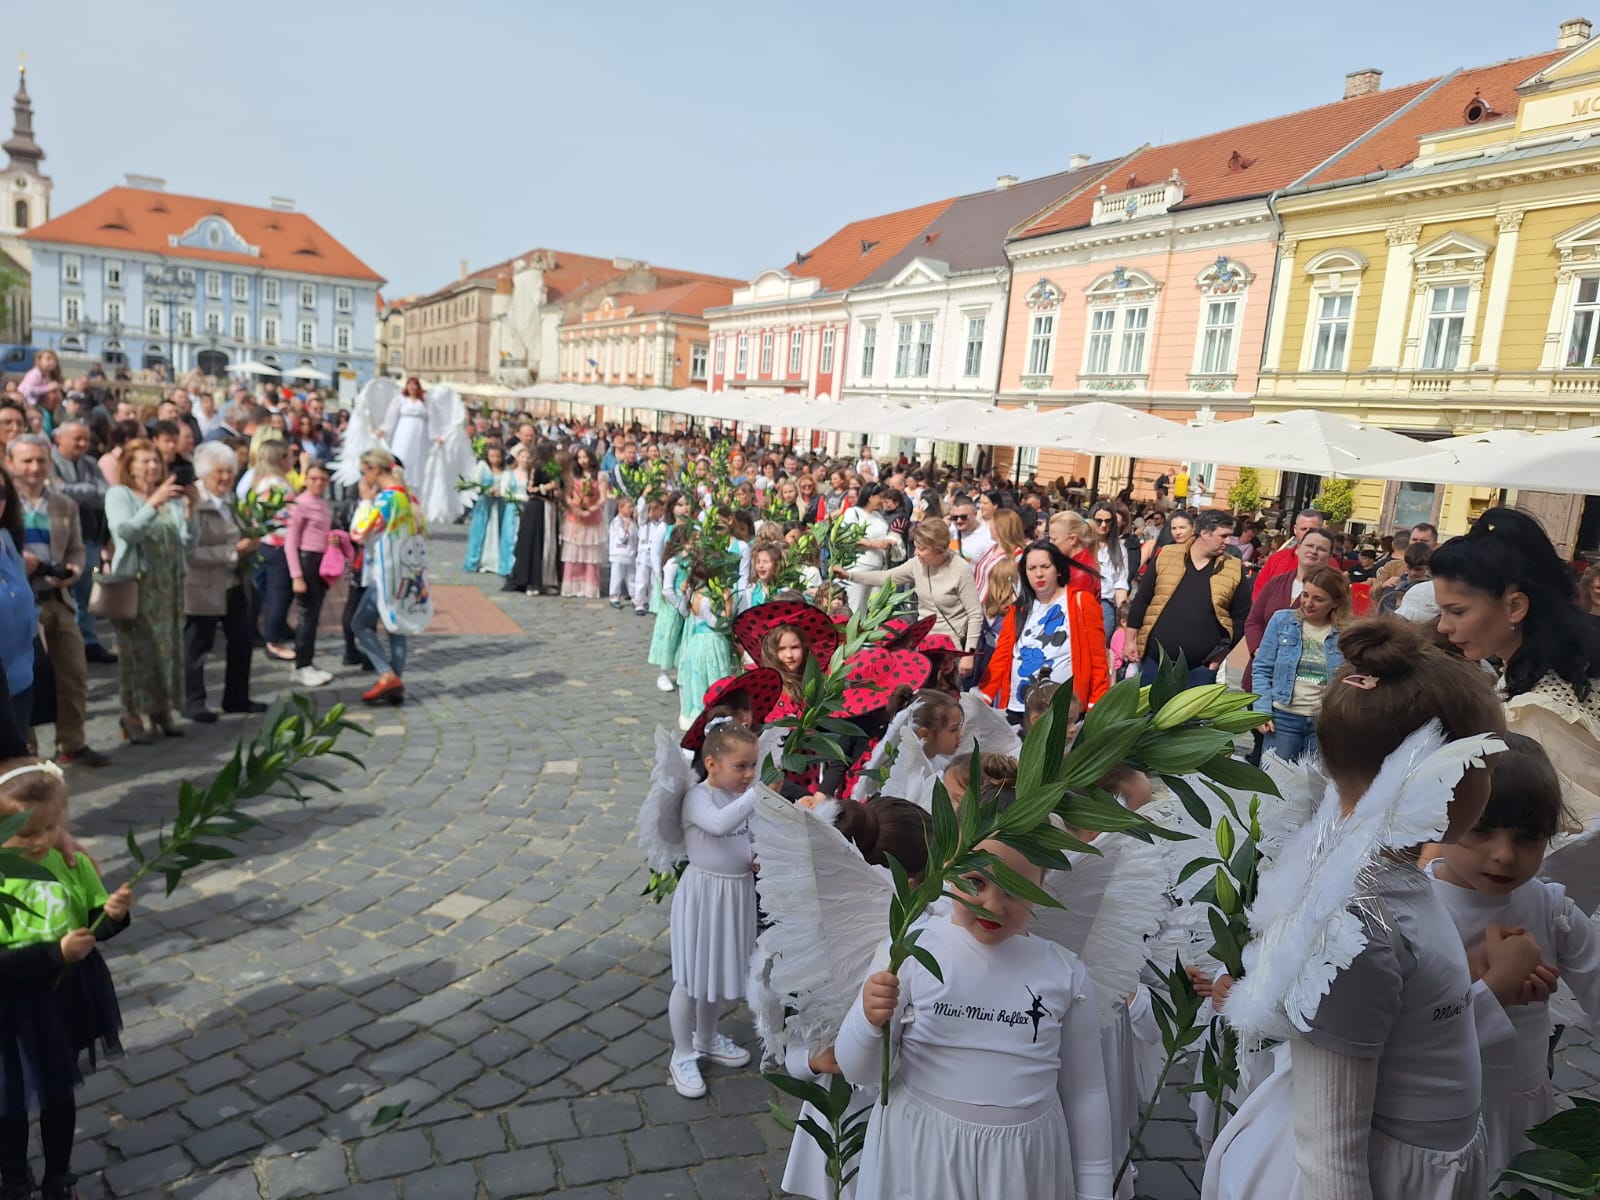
x,y
306,531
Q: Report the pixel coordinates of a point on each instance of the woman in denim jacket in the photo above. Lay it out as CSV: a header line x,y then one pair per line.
x,y
1298,656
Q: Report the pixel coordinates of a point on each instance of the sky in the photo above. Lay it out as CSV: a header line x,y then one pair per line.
x,y
702,134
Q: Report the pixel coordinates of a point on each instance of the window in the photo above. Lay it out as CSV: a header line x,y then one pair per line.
x,y
1135,324
71,268
633,356
1333,332
902,349
241,331
213,321
742,356
341,339
308,335
269,291
152,318
186,322
185,274
1447,317
341,300
650,358
924,349
71,309
308,295
20,212
214,284
869,349
722,356
241,287
1041,337
269,330
1102,323
697,359
766,353
825,362
113,312
1583,344
113,272
796,351
974,358
1216,342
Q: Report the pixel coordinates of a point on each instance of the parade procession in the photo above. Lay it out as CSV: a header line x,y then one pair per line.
x,y
1084,687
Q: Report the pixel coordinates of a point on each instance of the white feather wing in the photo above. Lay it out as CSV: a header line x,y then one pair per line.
x,y
911,775
661,815
829,911
986,727
450,460
367,414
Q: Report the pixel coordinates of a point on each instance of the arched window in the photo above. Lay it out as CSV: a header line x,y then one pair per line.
x,y
21,214
1120,304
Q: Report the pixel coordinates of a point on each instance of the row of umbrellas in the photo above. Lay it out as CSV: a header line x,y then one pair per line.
x,y
251,367
1308,441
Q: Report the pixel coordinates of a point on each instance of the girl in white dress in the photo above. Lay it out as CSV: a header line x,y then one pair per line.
x,y
1355,963
713,923
999,1085
1486,880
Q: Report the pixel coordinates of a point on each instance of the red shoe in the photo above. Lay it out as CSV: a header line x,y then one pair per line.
x,y
385,691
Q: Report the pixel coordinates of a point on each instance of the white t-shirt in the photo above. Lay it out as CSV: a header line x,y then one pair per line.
x,y
1111,578
873,529
1043,650
976,544
716,829
1418,603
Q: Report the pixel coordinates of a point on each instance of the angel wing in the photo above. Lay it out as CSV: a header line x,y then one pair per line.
x,y
911,776
1301,788
1306,931
367,414
1113,901
898,742
661,815
830,914
1574,862
986,727
450,459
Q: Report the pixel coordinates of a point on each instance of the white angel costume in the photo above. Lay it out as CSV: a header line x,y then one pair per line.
x,y
912,773
1517,1093
428,436
1356,964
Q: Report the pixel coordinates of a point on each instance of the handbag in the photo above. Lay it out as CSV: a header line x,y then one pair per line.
x,y
336,557
114,599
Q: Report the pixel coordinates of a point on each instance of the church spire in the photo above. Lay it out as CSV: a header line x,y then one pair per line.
x,y
23,150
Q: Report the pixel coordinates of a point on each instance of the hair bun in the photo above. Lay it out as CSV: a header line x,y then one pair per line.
x,y
1385,647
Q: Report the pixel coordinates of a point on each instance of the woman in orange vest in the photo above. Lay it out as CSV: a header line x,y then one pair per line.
x,y
1052,633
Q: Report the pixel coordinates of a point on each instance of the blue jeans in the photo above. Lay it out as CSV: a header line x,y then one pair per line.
x,y
1197,675
365,625
80,593
278,596
1292,735
1108,614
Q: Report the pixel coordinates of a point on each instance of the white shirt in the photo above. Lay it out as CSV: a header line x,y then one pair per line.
x,y
1112,580
873,529
1418,603
1043,650
976,544
716,829
624,539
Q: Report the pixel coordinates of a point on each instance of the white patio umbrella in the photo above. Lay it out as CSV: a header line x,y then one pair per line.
x,y
251,367
1093,427
310,373
962,420
1306,440
1546,462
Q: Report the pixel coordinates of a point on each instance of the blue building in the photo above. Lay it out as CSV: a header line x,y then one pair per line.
x,y
144,278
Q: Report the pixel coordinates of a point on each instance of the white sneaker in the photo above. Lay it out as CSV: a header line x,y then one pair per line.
x,y
309,677
686,1079
723,1051
664,684
684,721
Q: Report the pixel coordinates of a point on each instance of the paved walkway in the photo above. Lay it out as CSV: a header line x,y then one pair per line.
x,y
458,931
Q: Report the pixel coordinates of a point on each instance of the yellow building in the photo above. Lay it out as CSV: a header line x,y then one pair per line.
x,y
1443,277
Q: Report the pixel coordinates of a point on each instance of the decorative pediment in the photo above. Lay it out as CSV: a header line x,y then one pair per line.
x,y
1224,277
214,232
772,285
921,271
1337,262
1122,285
1579,245
1043,296
1453,253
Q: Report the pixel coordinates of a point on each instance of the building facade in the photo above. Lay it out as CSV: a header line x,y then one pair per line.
x,y
1459,290
389,335
147,278
658,339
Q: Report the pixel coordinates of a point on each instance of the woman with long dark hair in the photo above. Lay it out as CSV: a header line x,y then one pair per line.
x,y
583,531
1505,596
538,562
1053,633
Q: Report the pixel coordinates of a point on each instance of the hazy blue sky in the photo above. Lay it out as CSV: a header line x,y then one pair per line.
x,y
702,134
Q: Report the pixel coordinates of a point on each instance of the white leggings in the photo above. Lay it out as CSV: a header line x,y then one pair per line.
x,y
691,1020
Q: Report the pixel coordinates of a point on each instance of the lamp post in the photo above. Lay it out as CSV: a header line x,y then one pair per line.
x,y
163,285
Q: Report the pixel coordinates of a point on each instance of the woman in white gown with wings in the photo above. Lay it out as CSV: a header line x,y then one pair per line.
x,y
425,431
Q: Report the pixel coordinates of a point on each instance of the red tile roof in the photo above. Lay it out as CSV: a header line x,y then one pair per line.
x,y
686,299
1248,160
142,221
571,275
861,247
1395,144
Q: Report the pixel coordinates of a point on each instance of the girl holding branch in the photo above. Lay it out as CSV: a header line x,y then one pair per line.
x,y
56,998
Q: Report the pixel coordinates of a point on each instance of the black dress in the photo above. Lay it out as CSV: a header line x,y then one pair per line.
x,y
536,567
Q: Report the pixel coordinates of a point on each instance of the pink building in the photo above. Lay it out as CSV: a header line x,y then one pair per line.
x,y
1153,289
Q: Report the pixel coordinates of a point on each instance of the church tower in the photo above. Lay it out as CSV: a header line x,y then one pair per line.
x,y
24,189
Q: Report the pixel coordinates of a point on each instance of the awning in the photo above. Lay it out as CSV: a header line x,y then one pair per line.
x,y
1306,440
1544,462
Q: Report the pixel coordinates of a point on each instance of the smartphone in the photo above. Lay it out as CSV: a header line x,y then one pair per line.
x,y
183,472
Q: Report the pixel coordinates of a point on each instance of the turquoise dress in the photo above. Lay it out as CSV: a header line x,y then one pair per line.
x,y
483,533
511,522
668,632
705,657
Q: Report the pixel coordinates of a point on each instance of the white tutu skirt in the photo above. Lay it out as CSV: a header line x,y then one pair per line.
x,y
806,1172
1507,1116
916,1151
713,933
1254,1156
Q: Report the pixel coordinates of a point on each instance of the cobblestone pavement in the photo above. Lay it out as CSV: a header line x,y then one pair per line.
x,y
459,930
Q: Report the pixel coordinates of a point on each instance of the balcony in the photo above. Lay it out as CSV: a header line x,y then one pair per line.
x,y
1148,200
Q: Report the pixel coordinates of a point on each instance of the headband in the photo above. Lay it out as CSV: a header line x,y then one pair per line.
x,y
714,723
42,768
